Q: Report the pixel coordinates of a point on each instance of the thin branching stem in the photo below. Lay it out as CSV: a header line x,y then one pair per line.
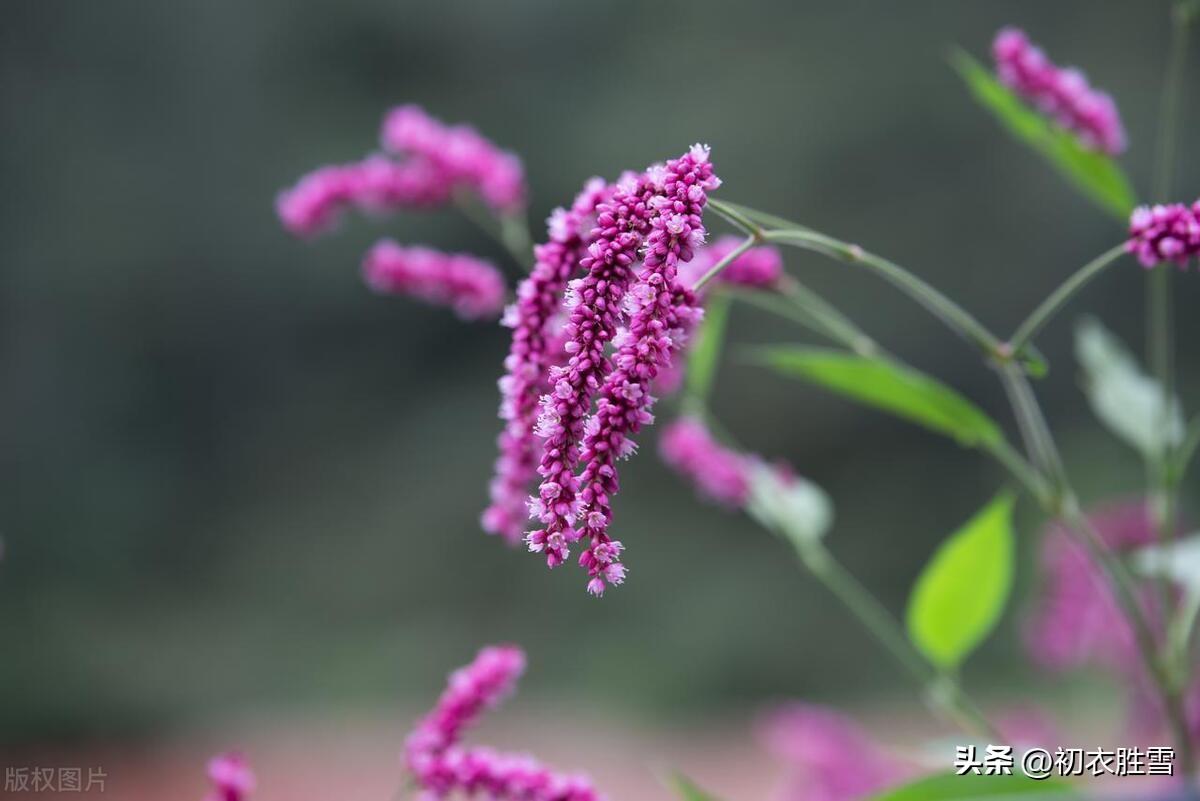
x,y
1061,296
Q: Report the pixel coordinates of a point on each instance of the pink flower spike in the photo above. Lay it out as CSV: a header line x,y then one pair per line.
x,y
1164,233
537,342
231,777
441,766
719,473
472,287
1064,95
758,267
661,315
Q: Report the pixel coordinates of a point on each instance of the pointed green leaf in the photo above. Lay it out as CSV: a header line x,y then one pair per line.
x,y
959,596
1093,173
706,347
902,391
949,787
1125,399
688,791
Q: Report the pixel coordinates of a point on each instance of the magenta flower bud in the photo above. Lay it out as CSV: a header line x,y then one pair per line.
x,y
231,777
720,474
1164,233
758,267
472,287
441,766
1064,95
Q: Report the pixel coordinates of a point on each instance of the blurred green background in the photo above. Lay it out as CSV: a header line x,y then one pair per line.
x,y
233,478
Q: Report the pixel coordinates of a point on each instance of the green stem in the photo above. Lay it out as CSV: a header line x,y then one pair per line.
x,y
1185,451
949,312
736,216
1061,296
1067,508
729,258
1034,429
1159,304
836,326
1024,472
509,231
942,689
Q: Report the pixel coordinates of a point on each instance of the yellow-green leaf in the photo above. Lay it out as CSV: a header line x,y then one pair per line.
x,y
961,593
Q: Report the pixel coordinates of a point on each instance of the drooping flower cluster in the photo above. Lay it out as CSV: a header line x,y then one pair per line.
x,y
231,777
828,756
759,267
429,163
646,314
720,474
536,344
1164,233
441,766
1061,93
472,287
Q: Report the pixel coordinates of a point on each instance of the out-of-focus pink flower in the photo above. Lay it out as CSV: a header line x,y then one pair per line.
x,y
231,777
1028,726
537,342
1062,94
1164,233
472,287
433,161
441,766
828,757
720,474
759,267
459,153
1077,620
375,185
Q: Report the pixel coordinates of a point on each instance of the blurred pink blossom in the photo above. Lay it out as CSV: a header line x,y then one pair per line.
x,y
1063,94
471,286
231,777
828,757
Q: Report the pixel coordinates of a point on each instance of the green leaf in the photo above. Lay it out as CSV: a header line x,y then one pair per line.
x,y
959,596
706,347
902,391
949,787
1092,172
1129,402
687,790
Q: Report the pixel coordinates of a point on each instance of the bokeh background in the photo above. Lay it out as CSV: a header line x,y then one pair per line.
x,y
238,487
